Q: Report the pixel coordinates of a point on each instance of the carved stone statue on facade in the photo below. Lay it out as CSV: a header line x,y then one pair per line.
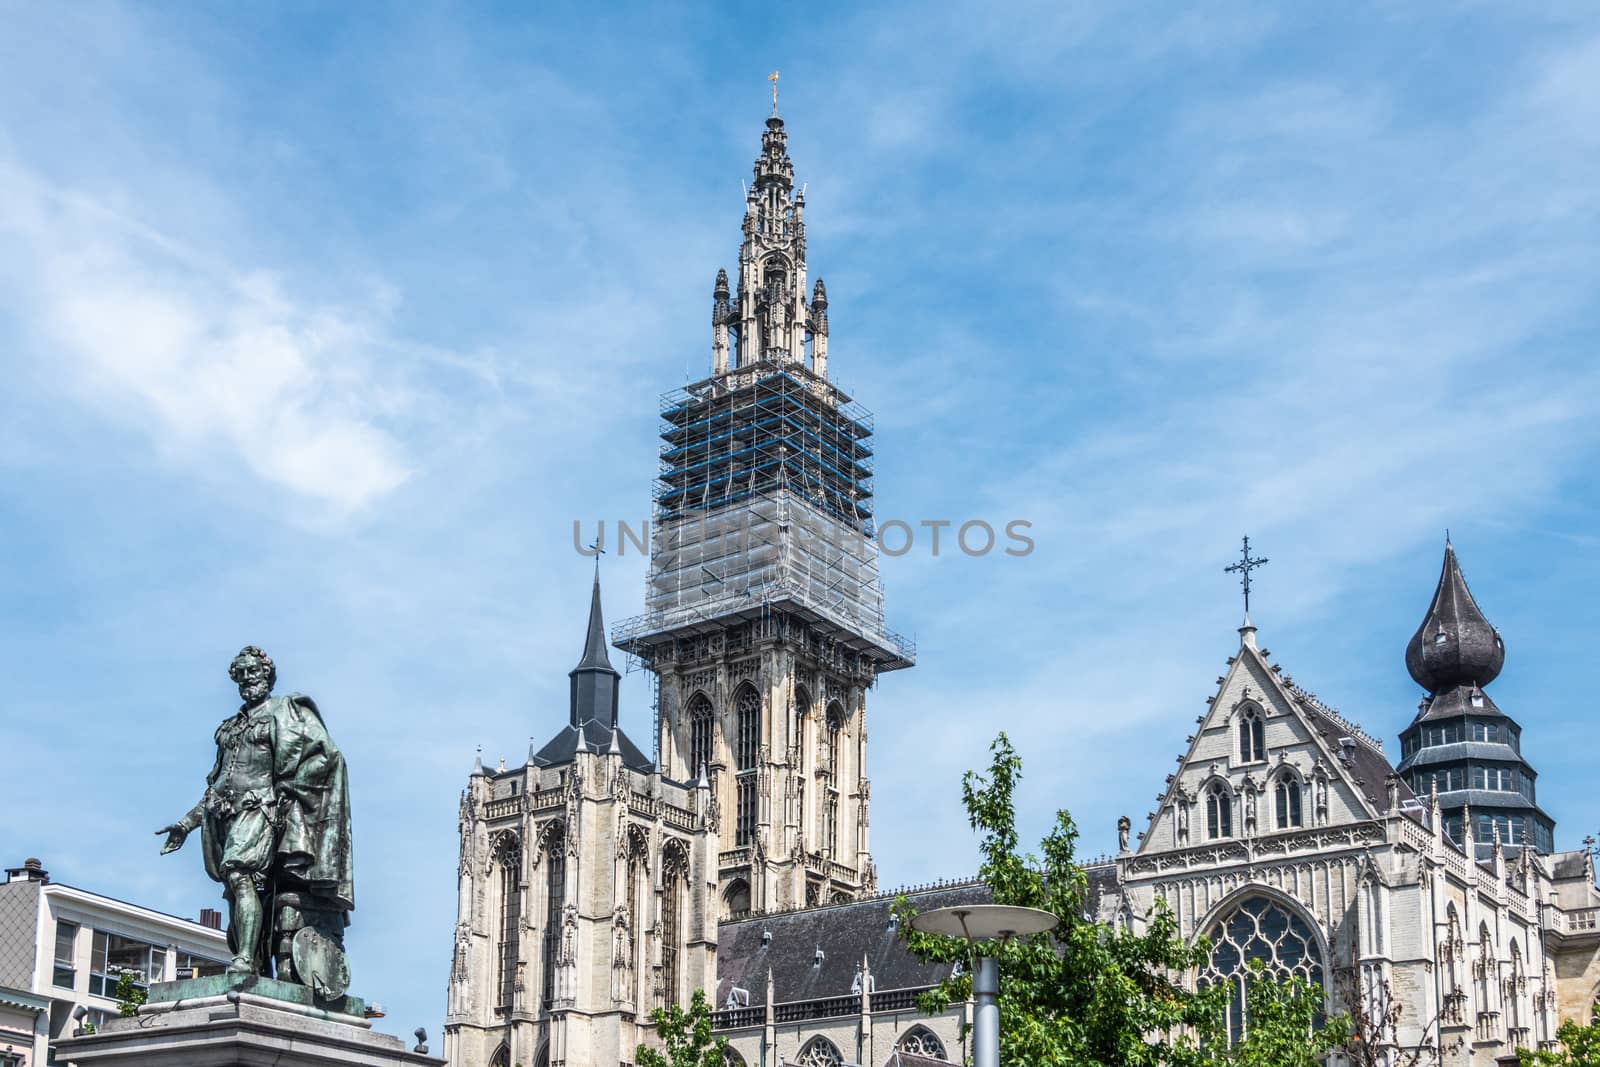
x,y
1124,827
275,831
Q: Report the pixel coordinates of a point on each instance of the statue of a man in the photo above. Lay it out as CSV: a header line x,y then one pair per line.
x,y
275,828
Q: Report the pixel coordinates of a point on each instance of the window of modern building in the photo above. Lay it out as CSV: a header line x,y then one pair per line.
x,y
113,954
191,966
65,972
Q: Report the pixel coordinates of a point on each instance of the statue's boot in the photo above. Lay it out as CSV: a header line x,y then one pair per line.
x,y
246,924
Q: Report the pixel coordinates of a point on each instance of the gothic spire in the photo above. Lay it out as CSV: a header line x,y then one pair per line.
x,y
1455,644
594,680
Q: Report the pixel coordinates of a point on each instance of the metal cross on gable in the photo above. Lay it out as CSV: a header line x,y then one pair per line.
x,y
1243,569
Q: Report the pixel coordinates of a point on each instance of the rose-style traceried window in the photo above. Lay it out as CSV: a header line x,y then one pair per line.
x,y
1259,928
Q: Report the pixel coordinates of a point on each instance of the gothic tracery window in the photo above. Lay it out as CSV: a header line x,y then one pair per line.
x,y
1219,812
1287,803
819,1052
700,724
747,727
1252,737
555,889
501,1057
674,874
1259,929
920,1041
508,855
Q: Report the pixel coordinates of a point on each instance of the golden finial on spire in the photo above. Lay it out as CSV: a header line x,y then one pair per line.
x,y
773,78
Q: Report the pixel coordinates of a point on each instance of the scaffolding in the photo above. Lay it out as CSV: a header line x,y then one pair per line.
x,y
763,427
764,502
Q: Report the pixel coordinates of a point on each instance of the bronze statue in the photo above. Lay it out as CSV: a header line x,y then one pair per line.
x,y
275,828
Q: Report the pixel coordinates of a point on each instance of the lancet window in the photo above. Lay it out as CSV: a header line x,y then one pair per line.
x,y
555,890
508,857
674,875
1252,736
1219,811
747,743
701,722
1287,802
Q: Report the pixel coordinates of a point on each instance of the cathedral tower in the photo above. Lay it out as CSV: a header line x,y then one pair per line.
x,y
587,889
763,617
1460,743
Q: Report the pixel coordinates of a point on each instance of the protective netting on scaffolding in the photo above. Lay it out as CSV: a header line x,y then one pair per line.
x,y
772,549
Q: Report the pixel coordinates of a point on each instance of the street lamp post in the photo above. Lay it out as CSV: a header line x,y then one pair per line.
x,y
985,922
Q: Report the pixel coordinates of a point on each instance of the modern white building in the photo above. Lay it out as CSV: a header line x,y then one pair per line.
x,y
64,948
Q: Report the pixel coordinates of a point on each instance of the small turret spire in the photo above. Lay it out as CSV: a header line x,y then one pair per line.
x,y
594,680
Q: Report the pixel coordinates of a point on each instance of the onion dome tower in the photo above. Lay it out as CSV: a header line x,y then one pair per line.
x,y
1460,743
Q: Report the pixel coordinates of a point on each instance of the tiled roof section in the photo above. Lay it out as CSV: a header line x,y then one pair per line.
x,y
1369,767
845,933
19,919
1457,701
911,1059
562,749
1566,866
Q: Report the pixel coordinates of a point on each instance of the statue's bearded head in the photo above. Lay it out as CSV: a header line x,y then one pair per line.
x,y
255,674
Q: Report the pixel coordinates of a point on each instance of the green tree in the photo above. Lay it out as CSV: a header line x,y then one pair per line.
x,y
686,1036
1084,994
129,993
1283,1024
1580,1046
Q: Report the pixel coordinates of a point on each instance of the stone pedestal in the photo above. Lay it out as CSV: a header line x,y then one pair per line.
x,y
261,1024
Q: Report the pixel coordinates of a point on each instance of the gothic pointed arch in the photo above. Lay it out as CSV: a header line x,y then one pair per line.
x,y
736,899
731,1057
1251,730
702,719
819,1052
921,1041
1288,798
501,1057
1259,923
1219,809
673,919
554,839
746,751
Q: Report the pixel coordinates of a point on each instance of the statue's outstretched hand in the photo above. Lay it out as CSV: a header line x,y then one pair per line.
x,y
175,837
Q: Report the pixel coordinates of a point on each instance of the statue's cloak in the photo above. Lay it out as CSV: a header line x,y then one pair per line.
x,y
312,848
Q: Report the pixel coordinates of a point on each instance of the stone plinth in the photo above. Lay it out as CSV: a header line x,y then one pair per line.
x,y
238,1027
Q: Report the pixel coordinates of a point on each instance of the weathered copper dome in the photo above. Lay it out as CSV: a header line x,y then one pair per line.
x,y
1455,645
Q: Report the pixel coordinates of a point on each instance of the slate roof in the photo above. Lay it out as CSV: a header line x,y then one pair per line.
x,y
563,747
1455,642
1566,866
845,933
1456,702
1368,766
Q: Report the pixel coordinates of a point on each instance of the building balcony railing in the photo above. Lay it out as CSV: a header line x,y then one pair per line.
x,y
891,1000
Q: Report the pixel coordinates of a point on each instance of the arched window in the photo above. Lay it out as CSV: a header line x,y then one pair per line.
x,y
1252,736
920,1041
555,891
830,803
501,1057
508,856
1287,801
731,1058
802,716
674,875
747,744
1485,971
543,1058
819,1052
736,899
1259,928
701,721
1219,811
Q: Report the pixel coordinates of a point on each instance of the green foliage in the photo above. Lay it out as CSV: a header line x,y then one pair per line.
x,y
1282,1029
1580,1046
129,993
1086,993
686,1036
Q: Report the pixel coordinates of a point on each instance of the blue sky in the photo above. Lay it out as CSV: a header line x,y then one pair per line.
x,y
321,324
